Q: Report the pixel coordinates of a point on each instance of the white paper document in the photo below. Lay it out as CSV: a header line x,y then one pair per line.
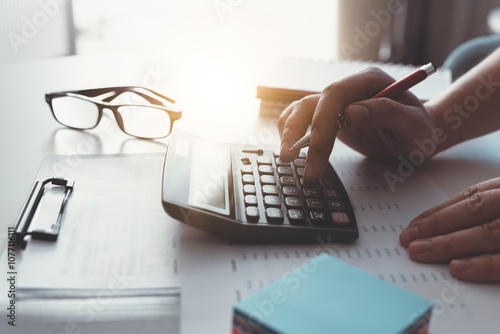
x,y
218,273
115,237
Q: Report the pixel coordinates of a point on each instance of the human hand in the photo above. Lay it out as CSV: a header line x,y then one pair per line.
x,y
380,128
464,229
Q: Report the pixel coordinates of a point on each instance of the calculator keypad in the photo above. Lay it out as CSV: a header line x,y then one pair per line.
x,y
274,193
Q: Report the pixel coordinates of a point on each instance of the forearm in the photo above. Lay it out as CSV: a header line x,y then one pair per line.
x,y
470,107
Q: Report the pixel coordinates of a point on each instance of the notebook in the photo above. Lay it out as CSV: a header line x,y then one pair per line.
x,y
295,78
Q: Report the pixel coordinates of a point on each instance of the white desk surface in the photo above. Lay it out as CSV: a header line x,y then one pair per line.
x,y
29,132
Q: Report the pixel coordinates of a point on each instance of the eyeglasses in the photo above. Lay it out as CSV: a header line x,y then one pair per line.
x,y
83,110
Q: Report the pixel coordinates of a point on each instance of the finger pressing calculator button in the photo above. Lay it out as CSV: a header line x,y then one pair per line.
x,y
288,181
327,183
308,184
267,179
293,202
271,200
247,179
296,216
317,217
300,162
314,203
246,169
249,189
252,213
340,218
274,216
291,191
266,169
335,205
285,171
310,192
331,194
264,160
269,190
281,163
250,200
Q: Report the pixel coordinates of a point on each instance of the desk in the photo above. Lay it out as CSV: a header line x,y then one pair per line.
x,y
28,133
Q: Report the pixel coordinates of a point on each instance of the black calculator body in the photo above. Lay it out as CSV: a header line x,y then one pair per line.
x,y
249,194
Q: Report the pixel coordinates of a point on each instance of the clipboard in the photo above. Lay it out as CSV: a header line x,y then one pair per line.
x,y
30,207
112,229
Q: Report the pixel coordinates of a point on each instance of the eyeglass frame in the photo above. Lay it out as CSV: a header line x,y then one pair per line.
x,y
91,95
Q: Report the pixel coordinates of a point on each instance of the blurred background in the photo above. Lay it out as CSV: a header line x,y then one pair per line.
x,y
406,31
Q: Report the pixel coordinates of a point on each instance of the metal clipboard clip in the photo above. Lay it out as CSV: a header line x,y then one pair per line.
x,y
29,208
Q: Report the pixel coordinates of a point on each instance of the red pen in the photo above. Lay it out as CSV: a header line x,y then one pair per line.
x,y
393,90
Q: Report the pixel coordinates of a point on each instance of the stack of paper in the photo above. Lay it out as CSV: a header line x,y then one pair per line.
x,y
115,242
327,295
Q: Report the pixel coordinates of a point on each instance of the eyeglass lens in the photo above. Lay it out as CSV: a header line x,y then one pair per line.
x,y
144,121
139,121
75,113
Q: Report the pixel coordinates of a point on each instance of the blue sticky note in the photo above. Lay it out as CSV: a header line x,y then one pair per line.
x,y
327,295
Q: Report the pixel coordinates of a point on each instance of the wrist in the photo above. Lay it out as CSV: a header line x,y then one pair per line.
x,y
444,135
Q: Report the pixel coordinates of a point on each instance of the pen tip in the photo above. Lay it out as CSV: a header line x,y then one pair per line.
x,y
291,148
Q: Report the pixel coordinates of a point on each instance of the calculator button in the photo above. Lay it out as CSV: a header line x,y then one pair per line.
x,y
291,191
249,189
314,203
300,162
296,216
271,200
281,163
274,215
285,171
287,181
246,169
340,218
335,205
330,194
293,202
252,150
250,200
247,179
300,171
263,160
252,213
267,179
269,190
327,183
310,192
302,155
317,217
246,161
266,169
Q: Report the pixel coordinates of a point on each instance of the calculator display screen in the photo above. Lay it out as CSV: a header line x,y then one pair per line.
x,y
210,165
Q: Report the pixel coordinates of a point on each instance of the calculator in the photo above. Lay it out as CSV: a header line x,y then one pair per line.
x,y
248,194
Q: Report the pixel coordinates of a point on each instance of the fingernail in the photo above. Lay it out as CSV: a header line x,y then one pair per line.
x,y
309,171
460,265
409,234
419,247
314,137
357,113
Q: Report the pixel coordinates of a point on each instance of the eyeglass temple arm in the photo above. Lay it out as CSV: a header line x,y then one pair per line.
x,y
150,99
119,90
